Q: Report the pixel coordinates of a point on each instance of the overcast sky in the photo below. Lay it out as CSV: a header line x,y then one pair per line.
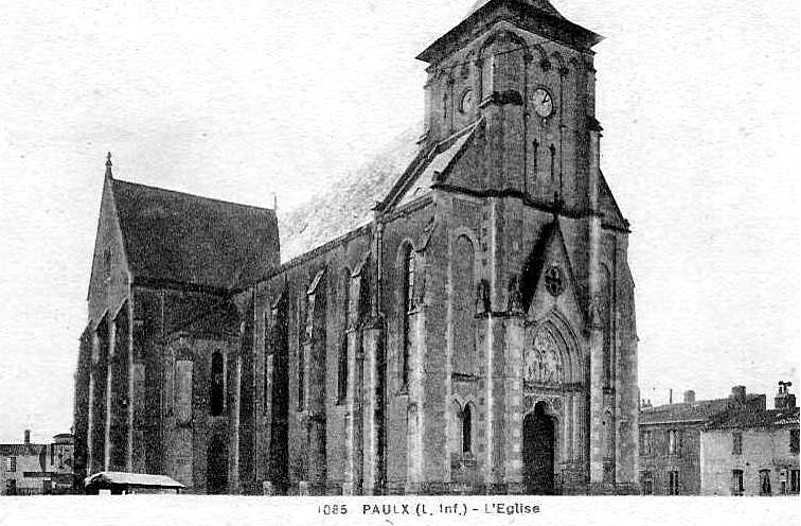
x,y
240,100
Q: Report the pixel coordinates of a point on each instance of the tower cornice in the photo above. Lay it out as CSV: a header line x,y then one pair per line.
x,y
525,15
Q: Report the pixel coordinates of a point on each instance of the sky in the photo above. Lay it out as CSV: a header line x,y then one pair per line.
x,y
245,100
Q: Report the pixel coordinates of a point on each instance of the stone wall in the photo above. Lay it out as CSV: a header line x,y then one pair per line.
x,y
526,152
657,461
762,449
192,425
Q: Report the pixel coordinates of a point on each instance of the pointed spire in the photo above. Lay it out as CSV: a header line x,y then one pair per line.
x,y
541,5
108,165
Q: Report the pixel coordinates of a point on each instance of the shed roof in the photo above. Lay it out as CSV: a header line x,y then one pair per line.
x,y
132,479
745,419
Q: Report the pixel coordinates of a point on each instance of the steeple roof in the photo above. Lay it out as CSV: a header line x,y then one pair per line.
x,y
541,5
537,16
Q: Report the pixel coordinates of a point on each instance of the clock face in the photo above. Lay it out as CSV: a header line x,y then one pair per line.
x,y
543,102
467,101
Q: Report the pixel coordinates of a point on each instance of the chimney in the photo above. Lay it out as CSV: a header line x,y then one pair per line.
x,y
738,394
670,397
689,396
27,436
784,400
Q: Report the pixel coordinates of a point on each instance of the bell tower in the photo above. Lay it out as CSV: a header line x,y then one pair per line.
x,y
528,73
514,149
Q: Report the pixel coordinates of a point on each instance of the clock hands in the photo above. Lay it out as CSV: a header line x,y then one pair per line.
x,y
543,102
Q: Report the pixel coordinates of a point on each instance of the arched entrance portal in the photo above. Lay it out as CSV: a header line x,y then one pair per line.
x,y
217,467
538,452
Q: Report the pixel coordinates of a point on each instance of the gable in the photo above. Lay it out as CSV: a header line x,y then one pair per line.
x,y
549,265
430,169
110,271
612,216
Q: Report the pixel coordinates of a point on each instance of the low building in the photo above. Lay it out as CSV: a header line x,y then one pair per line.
x,y
752,452
670,440
120,483
61,463
37,469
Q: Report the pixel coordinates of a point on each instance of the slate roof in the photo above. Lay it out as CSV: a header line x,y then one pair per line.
x,y
430,167
609,207
483,12
743,419
185,238
348,203
398,175
689,412
23,450
220,321
532,269
540,5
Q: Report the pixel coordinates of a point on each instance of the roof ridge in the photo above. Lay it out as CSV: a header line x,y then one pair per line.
x,y
711,400
423,160
196,196
461,131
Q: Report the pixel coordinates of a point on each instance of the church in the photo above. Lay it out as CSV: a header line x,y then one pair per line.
x,y
471,331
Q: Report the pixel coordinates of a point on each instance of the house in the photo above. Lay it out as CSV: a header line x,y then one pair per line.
x,y
689,448
37,469
752,452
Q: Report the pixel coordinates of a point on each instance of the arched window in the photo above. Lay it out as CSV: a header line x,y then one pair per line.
x,y
217,466
502,70
408,305
342,365
342,370
412,437
674,442
266,333
301,377
462,308
467,429
183,391
217,395
267,348
605,312
455,438
303,309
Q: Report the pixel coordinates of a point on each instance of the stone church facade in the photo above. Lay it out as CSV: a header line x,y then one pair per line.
x,y
474,334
